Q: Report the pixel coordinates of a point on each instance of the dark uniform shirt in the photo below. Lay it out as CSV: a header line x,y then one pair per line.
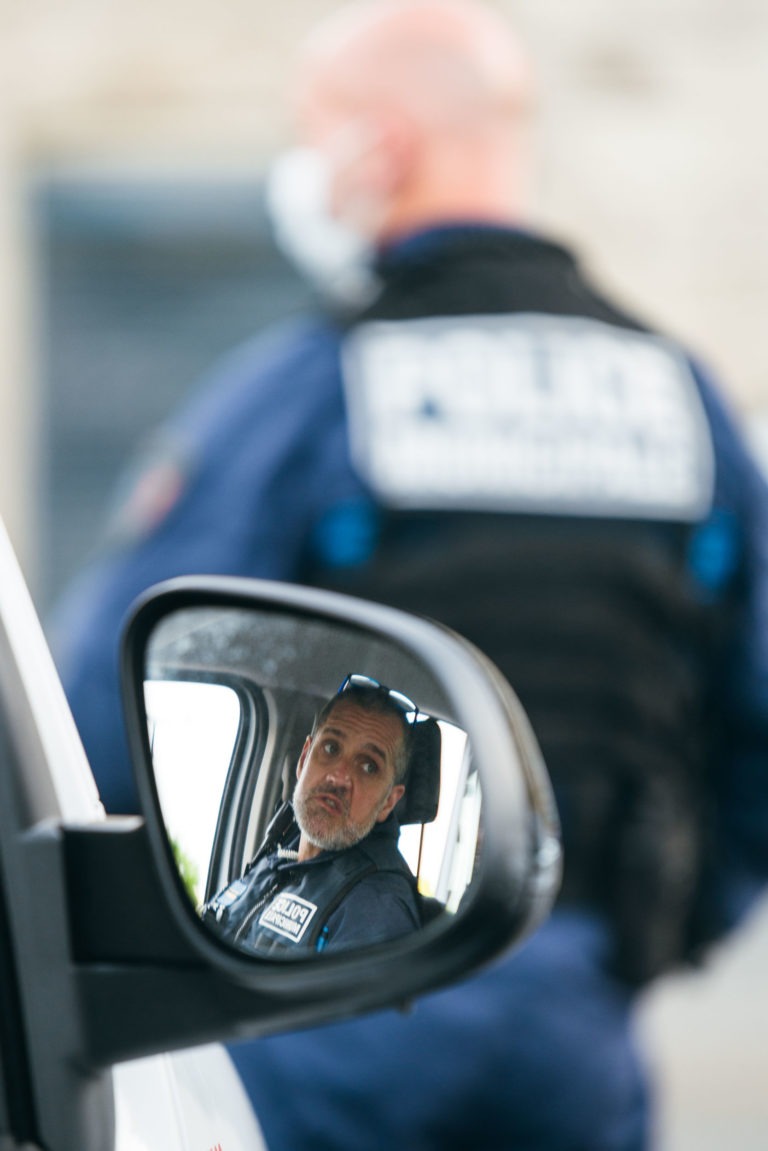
x,y
337,900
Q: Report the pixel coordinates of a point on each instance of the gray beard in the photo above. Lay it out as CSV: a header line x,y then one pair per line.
x,y
338,838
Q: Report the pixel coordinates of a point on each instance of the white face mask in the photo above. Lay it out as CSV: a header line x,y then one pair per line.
x,y
330,254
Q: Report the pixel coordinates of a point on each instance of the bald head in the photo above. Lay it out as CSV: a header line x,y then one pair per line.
x,y
437,59
420,108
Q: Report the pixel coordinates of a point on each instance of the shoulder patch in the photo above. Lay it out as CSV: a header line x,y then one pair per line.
x,y
148,492
221,902
536,413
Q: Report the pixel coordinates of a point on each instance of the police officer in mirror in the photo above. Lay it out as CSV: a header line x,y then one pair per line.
x,y
329,875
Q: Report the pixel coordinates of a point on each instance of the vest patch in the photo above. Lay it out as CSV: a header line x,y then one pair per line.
x,y
227,897
288,915
535,413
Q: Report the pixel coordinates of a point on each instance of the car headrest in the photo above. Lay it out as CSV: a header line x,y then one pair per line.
x,y
422,782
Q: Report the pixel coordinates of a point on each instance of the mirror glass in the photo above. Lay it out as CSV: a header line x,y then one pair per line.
x,y
316,791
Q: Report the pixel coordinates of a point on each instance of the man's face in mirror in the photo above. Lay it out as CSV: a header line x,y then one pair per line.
x,y
347,776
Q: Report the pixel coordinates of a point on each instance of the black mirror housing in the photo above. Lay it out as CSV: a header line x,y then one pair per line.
x,y
511,890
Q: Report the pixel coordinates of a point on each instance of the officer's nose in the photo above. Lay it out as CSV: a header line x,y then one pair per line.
x,y
340,775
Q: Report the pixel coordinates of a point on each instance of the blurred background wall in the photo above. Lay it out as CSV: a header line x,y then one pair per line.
x,y
133,136
122,122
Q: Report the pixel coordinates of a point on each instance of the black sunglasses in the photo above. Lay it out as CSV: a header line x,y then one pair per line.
x,y
406,705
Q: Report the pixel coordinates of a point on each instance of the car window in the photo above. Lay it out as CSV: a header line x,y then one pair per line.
x,y
193,733
442,853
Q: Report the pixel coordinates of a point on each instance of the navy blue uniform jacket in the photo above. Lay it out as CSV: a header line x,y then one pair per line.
x,y
247,480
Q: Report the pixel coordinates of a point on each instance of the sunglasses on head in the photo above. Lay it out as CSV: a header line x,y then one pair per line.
x,y
406,705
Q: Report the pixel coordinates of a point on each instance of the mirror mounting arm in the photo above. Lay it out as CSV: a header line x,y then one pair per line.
x,y
142,987
117,911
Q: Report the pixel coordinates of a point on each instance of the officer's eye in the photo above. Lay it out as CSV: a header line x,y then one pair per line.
x,y
370,767
330,747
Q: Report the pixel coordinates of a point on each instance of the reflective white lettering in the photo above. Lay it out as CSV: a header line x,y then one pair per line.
x,y
288,915
527,412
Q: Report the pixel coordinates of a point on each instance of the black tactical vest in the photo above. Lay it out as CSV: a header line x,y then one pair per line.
x,y
281,906
590,613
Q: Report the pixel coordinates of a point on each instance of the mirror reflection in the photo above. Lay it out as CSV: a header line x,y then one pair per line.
x,y
316,793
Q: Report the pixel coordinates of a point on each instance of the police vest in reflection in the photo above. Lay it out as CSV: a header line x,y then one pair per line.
x,y
336,901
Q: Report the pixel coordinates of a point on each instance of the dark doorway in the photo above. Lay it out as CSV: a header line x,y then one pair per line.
x,y
144,284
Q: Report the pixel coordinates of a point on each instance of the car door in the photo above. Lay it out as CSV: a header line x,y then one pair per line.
x,y
103,958
190,1100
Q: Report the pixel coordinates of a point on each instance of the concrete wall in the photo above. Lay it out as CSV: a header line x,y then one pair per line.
x,y
651,153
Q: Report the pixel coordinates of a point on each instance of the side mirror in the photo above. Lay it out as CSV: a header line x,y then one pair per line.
x,y
223,681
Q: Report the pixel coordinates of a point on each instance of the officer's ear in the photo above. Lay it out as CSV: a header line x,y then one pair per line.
x,y
395,142
303,756
396,794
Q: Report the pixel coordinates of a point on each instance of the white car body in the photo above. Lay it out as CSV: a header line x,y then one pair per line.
x,y
187,1101
190,1101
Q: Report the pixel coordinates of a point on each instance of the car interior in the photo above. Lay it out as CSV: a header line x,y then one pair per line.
x,y
231,696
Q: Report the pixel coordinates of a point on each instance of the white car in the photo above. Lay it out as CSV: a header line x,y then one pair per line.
x,y
106,965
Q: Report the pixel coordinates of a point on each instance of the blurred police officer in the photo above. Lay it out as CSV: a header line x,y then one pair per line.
x,y
487,439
